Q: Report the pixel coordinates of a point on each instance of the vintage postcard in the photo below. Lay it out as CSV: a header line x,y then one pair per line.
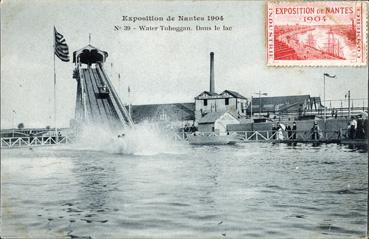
x,y
317,33
165,119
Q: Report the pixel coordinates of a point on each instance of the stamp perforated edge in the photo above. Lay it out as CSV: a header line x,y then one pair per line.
x,y
319,63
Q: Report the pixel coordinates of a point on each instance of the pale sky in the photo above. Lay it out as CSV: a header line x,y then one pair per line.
x,y
159,67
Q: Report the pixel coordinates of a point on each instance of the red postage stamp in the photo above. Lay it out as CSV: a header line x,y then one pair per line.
x,y
316,33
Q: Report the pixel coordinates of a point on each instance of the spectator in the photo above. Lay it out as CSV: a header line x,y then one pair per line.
x,y
315,131
274,130
360,132
353,127
289,132
279,131
294,128
348,132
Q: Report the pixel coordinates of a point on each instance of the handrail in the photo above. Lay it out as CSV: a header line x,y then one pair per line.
x,y
272,135
115,95
16,142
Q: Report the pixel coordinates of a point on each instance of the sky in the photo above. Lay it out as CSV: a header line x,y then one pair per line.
x,y
158,66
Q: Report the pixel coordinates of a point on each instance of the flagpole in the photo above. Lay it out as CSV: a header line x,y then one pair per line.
x,y
62,52
56,130
129,102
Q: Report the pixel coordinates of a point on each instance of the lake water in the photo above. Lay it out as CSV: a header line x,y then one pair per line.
x,y
255,190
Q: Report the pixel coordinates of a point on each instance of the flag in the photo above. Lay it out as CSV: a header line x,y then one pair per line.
x,y
60,46
330,76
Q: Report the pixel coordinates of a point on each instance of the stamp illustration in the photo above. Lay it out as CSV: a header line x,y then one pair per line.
x,y
316,33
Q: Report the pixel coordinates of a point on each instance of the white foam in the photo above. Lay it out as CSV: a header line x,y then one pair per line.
x,y
143,139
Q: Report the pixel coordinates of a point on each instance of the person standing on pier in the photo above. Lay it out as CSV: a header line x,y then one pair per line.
x,y
274,130
315,131
280,131
353,127
360,132
289,132
294,128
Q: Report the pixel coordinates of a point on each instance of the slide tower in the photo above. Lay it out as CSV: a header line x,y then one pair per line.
x,y
97,101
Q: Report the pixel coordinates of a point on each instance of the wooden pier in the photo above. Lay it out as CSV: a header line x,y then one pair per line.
x,y
305,137
15,138
17,142
49,138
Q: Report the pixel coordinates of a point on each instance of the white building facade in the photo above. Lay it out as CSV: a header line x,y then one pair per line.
x,y
227,101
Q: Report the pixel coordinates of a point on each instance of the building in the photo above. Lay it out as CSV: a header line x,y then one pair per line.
x,y
163,112
227,101
217,122
209,102
285,104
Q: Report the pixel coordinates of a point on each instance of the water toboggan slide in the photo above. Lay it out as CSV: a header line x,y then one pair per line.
x,y
97,102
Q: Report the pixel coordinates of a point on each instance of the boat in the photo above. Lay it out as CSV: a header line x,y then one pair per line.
x,y
333,46
211,139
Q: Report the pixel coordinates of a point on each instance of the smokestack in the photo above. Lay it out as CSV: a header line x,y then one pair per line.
x,y
212,83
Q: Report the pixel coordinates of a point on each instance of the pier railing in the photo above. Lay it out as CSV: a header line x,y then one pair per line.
x,y
11,142
271,135
299,135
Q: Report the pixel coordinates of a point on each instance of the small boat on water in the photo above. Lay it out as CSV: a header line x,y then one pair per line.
x,y
211,139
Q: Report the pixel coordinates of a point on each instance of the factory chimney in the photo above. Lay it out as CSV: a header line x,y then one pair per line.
x,y
212,84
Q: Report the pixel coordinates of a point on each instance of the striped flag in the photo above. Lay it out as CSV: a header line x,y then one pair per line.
x,y
60,46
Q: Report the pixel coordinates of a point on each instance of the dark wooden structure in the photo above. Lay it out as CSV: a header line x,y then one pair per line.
x,y
97,102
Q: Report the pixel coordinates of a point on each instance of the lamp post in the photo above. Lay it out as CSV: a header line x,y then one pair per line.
x,y
251,108
325,107
348,95
13,118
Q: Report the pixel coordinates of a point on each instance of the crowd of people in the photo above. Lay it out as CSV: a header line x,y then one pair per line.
x,y
277,131
356,129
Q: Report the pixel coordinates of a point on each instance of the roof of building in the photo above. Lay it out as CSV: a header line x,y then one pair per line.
x,y
221,95
213,116
234,93
283,103
274,100
175,111
205,92
210,117
90,51
90,47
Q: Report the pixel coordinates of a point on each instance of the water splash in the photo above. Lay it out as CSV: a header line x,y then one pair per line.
x,y
143,139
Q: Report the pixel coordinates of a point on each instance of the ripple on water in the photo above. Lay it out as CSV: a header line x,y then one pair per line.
x,y
79,237
202,193
331,229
